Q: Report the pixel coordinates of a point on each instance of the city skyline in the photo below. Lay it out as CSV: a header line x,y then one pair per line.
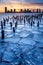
x,y
20,4
22,10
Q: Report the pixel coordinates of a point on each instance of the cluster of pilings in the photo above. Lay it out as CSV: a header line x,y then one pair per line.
x,y
29,18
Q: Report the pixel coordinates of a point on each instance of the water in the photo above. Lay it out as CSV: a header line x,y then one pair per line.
x,y
25,46
5,15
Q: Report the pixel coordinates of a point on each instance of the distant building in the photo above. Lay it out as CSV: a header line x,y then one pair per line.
x,y
24,10
21,10
5,9
33,11
14,10
11,11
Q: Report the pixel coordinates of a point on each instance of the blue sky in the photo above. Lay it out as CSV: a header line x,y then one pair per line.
x,y
21,1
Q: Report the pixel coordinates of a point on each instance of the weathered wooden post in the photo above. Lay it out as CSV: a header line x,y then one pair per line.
x,y
2,34
13,29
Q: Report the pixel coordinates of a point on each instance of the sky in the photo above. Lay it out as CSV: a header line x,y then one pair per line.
x,y
18,4
27,1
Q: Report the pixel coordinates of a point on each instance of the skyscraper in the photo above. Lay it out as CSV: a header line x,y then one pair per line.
x,y
5,9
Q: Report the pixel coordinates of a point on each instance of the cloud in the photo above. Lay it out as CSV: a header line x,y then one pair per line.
x,y
33,1
9,1
21,1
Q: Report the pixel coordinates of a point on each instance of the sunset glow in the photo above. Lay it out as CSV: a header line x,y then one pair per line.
x,y
18,6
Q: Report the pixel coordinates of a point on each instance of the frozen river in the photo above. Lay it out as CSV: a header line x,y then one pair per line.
x,y
14,14
24,46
